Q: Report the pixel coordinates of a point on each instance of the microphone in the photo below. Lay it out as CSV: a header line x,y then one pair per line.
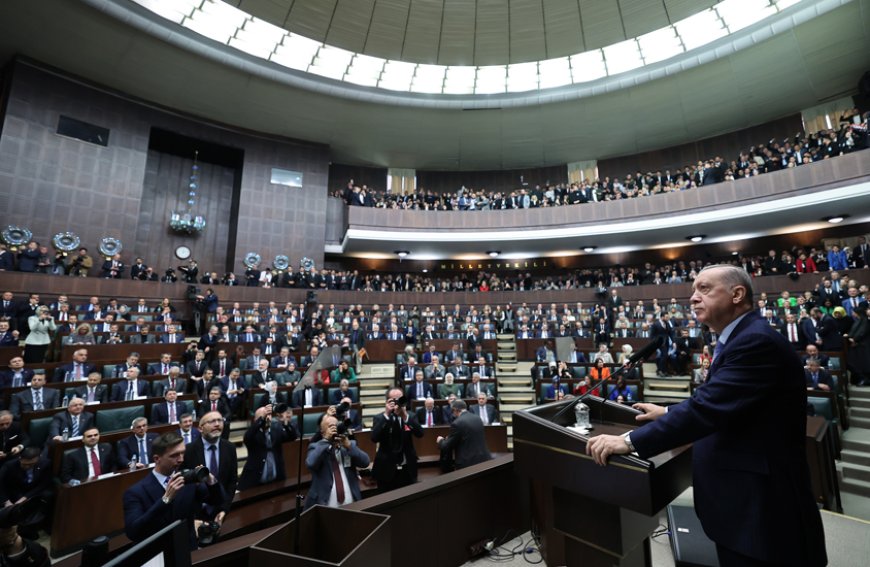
x,y
647,350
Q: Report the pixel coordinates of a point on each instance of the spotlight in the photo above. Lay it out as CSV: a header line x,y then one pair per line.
x,y
836,219
493,253
589,248
697,237
402,253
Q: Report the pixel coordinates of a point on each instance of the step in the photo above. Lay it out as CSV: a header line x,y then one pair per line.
x,y
856,472
669,386
505,337
859,403
521,397
665,398
857,445
860,413
515,390
507,356
859,392
860,422
506,345
850,457
855,487
509,407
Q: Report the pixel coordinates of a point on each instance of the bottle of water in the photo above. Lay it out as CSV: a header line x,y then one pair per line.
x,y
65,433
133,461
581,415
65,402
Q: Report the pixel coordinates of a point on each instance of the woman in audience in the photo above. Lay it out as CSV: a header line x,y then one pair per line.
x,y
82,336
42,328
599,371
699,375
621,393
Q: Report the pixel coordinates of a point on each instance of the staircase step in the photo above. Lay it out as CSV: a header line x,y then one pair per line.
x,y
859,403
850,457
857,445
507,356
856,472
526,397
511,346
669,386
859,393
861,413
515,390
861,422
505,337
513,407
853,486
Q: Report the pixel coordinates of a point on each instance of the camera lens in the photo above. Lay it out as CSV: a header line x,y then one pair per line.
x,y
193,476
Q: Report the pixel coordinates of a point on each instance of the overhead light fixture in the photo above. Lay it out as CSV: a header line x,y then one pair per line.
x,y
697,237
836,219
425,271
402,253
493,253
735,253
589,248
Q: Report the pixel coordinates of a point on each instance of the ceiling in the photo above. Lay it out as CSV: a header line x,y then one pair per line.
x,y
471,32
811,62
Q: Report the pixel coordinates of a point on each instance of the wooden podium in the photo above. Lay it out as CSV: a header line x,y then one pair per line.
x,y
328,536
586,514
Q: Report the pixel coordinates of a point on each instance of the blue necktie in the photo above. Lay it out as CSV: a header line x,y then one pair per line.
x,y
143,454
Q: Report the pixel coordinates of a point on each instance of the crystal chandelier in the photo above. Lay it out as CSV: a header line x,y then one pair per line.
x,y
186,221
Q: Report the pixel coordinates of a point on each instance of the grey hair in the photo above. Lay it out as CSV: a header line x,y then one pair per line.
x,y
734,276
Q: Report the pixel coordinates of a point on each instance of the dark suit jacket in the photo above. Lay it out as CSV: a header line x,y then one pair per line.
x,y
437,416
801,337
60,371
492,414
394,446
160,412
748,425
75,463
322,479
204,406
145,513
298,399
11,438
129,446
160,386
119,389
101,393
255,442
7,375
23,400
62,420
228,466
467,440
824,378
13,480
411,391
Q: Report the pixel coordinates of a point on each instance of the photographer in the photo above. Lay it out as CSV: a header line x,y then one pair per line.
x,y
80,264
16,550
190,271
167,494
333,460
42,327
396,459
265,462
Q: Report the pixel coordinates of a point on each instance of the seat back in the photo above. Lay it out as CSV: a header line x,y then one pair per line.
x,y
579,372
353,392
109,370
118,419
38,431
823,407
309,423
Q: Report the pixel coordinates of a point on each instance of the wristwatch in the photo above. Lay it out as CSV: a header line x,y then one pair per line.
x,y
166,499
629,443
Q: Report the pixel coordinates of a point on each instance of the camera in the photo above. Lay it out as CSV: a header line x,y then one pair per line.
x,y
193,476
400,401
207,533
279,408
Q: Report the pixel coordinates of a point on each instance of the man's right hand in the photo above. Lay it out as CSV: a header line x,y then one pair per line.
x,y
650,412
176,482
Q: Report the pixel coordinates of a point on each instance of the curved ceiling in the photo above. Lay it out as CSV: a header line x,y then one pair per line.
x,y
819,59
471,32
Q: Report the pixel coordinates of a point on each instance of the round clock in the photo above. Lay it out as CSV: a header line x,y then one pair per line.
x,y
182,252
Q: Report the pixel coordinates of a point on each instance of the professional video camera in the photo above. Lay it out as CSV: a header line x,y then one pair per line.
x,y
194,476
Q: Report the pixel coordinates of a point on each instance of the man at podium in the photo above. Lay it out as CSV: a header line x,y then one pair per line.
x,y
748,425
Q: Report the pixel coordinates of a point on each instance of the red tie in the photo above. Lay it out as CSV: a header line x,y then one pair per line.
x,y
214,405
792,333
95,462
223,367
429,419
336,475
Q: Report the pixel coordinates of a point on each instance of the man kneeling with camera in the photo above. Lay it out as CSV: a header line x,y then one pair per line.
x,y
333,460
167,493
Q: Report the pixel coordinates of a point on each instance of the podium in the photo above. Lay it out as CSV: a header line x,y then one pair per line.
x,y
328,536
587,514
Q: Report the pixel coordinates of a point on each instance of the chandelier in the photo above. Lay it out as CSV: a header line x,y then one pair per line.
x,y
186,221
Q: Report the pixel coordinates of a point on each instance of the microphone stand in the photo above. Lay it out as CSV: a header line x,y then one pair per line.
x,y
598,387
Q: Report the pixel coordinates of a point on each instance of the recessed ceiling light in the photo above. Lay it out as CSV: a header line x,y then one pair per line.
x,y
493,253
836,219
697,237
589,248
425,271
402,253
735,253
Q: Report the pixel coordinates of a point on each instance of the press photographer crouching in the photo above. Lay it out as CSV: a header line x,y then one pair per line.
x,y
333,459
16,550
265,462
168,493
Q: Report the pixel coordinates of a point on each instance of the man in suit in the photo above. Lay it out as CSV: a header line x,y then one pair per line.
x,y
173,381
235,388
169,410
466,439
396,459
74,420
131,388
419,389
171,336
428,415
162,367
88,461
214,402
219,455
263,440
748,425
306,396
222,365
409,370
484,411
28,476
163,497
665,329
817,378
333,461
475,387
135,451
186,429
793,332
131,362
7,336
93,391
17,375
486,372
34,398
12,439
75,371
812,351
